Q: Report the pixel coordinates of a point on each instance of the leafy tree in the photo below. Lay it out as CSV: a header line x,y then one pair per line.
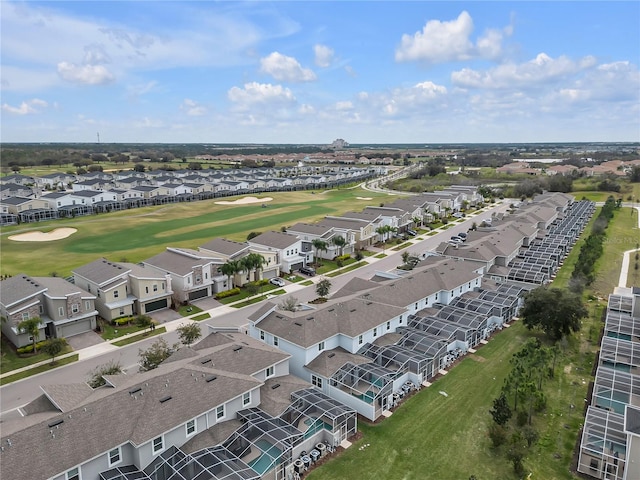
x,y
323,287
405,257
32,327
340,242
289,304
253,262
530,435
157,353
556,312
138,167
497,434
253,235
516,454
112,367
634,176
189,333
53,347
143,321
501,412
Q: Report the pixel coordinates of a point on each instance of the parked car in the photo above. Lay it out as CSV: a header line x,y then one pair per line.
x,y
413,233
458,215
278,282
463,236
456,239
309,271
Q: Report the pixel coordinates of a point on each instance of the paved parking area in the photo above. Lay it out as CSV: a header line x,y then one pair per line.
x,y
84,340
164,316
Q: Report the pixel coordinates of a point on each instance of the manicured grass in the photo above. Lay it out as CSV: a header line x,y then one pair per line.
x,y
42,368
244,293
109,331
346,269
201,317
137,234
329,265
306,283
380,255
186,310
260,298
141,336
10,360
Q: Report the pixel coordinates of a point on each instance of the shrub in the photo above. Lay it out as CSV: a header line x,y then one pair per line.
x,y
228,293
29,348
497,434
343,258
119,322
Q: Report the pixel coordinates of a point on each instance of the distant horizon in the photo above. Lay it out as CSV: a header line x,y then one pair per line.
x,y
291,72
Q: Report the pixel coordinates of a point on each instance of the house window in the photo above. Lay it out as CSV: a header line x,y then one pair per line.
x,y
155,287
220,412
115,294
41,309
375,332
317,381
275,341
360,340
198,278
246,398
191,427
98,292
436,297
114,456
87,305
321,346
88,288
121,311
388,325
25,316
261,334
73,474
146,289
158,444
162,286
269,372
400,319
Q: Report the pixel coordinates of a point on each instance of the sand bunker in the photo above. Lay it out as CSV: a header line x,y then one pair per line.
x,y
38,236
245,200
364,198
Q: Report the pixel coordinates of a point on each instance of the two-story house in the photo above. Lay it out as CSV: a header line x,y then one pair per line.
x,y
289,250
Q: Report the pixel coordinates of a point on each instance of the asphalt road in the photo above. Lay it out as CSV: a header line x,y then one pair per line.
x,y
23,391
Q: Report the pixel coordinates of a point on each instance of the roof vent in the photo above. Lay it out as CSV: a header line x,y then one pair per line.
x,y
135,390
297,323
273,387
211,378
352,310
165,399
237,348
331,355
205,361
56,423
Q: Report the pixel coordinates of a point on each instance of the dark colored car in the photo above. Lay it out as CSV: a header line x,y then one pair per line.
x,y
308,271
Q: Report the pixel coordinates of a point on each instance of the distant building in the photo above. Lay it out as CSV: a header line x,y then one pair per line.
x,y
339,143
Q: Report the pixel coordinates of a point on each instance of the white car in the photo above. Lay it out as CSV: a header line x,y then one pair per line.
x,y
278,282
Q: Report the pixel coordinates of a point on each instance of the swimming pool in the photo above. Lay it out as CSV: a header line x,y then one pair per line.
x,y
268,459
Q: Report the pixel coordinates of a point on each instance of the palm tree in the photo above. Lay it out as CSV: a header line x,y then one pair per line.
x,y
253,261
417,221
340,242
319,245
383,231
230,268
32,327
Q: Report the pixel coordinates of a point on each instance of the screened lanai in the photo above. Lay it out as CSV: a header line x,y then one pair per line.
x,y
432,347
368,383
526,276
622,325
476,306
439,328
508,303
620,355
398,358
263,442
311,411
603,447
465,318
613,390
620,303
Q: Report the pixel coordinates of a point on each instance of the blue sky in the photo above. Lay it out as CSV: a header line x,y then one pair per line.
x,y
311,72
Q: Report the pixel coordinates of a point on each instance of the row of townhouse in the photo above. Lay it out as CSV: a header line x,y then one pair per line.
x,y
106,192
610,440
374,337
226,407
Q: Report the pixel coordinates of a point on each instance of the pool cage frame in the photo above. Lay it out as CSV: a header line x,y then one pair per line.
x,y
603,445
613,390
614,352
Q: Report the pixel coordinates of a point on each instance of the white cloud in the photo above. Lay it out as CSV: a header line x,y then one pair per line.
x,y
193,108
27,107
285,69
260,94
447,41
350,71
324,55
539,70
85,74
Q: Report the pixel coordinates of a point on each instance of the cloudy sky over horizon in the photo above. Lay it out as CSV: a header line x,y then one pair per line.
x,y
310,72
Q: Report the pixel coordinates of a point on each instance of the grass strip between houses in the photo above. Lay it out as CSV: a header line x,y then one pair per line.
x,y
140,336
42,368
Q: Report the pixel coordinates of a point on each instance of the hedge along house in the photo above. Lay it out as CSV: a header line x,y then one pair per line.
x,y
63,308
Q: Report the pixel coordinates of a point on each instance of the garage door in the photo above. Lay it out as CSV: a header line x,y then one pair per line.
x,y
198,294
156,305
269,274
75,328
296,266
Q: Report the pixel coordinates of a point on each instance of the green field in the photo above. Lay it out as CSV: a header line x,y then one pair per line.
x,y
137,234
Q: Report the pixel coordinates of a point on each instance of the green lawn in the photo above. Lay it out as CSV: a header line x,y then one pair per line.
x,y
40,369
9,359
136,234
199,318
436,437
140,336
186,310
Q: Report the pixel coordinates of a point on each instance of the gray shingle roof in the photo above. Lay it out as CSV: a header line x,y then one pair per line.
x,y
329,362
101,271
59,287
16,289
273,239
228,248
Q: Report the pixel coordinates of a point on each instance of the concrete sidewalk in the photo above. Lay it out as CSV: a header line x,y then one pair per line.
x,y
172,325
